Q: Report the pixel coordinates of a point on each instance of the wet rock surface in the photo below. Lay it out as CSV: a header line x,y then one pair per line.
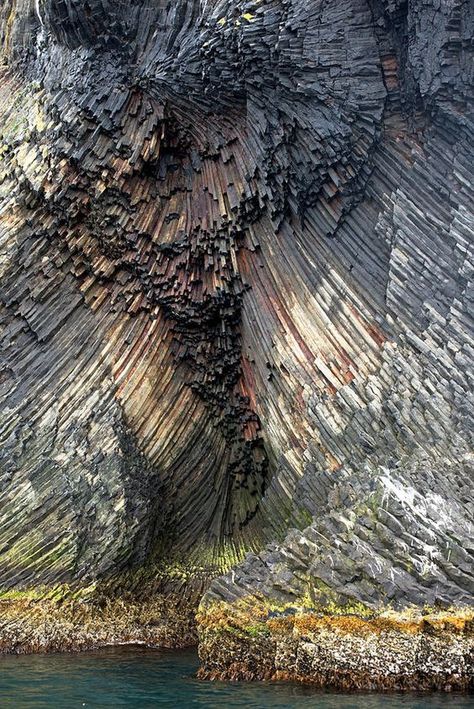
x,y
385,651
44,623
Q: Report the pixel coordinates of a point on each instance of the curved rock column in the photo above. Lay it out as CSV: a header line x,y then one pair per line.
x,y
236,310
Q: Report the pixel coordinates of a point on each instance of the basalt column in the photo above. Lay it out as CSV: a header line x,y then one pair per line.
x,y
236,315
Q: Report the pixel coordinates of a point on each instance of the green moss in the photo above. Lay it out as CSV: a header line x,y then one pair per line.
x,y
257,630
22,595
31,551
303,519
59,592
15,124
373,503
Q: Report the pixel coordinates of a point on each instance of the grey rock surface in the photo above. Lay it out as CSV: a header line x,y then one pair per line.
x,y
236,257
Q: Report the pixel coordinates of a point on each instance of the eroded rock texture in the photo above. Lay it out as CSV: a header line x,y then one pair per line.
x,y
236,294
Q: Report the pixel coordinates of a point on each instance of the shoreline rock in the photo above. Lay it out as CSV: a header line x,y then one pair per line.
x,y
385,651
252,640
29,626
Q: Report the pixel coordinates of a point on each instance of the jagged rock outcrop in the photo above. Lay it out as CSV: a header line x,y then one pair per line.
x,y
236,296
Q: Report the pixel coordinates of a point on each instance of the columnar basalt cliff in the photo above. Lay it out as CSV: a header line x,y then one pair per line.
x,y
236,326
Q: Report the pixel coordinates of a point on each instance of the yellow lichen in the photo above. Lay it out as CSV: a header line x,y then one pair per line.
x,y
250,615
39,120
9,26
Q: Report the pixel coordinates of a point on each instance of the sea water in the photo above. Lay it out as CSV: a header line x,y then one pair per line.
x,y
138,678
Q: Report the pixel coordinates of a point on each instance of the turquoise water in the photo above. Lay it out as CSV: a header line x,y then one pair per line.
x,y
139,678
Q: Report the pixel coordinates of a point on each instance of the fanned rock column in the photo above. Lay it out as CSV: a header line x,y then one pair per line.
x,y
236,311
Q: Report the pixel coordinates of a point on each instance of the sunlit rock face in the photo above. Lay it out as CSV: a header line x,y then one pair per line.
x,y
236,267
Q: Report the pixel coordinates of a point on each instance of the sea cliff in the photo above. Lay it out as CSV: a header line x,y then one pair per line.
x,y
236,334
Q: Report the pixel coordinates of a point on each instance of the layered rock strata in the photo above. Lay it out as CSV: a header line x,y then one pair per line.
x,y
236,264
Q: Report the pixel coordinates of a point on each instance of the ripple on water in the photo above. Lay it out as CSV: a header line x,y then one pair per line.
x,y
139,678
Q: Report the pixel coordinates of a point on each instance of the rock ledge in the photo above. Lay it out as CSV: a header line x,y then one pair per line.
x,y
413,650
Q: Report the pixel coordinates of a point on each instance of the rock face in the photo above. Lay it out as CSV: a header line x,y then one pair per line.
x,y
374,539
236,296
